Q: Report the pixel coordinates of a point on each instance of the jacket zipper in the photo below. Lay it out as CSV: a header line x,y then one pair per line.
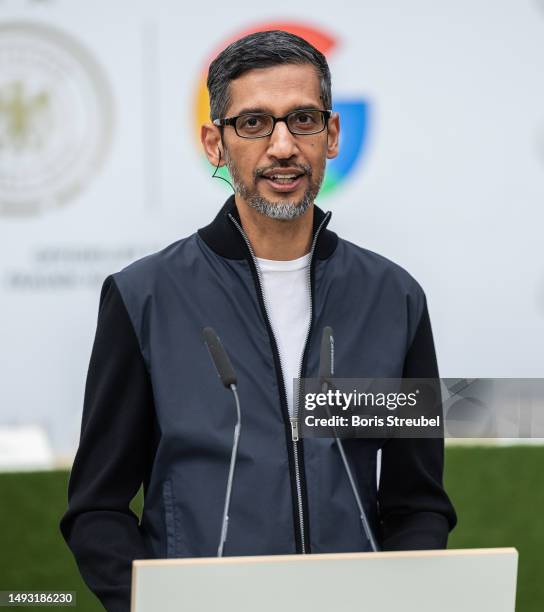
x,y
294,418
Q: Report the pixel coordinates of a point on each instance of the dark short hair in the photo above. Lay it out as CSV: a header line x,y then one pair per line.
x,y
262,50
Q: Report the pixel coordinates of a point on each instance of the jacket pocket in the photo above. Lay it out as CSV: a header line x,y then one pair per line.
x,y
169,518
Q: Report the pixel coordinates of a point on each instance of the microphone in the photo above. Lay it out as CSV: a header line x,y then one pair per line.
x,y
219,357
326,372
326,359
227,376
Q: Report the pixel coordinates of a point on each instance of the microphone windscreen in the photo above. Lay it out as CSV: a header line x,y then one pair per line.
x,y
326,359
219,357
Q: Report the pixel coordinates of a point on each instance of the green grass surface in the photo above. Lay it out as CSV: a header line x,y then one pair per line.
x,y
499,497
498,494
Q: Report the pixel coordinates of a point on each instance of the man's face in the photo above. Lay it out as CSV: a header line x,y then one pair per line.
x,y
278,90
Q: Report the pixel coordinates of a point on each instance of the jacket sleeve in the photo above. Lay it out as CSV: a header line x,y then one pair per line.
x,y
113,458
415,511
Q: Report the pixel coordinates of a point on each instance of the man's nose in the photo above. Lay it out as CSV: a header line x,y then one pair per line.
x,y
282,144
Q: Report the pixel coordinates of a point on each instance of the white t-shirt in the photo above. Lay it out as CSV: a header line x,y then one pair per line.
x,y
287,296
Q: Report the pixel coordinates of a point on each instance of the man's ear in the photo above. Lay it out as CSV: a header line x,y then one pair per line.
x,y
333,135
210,137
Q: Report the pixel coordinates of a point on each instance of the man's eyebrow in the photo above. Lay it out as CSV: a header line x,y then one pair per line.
x,y
253,109
260,109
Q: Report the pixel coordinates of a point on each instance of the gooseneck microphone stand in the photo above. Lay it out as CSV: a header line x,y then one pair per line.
x,y
326,372
225,521
228,379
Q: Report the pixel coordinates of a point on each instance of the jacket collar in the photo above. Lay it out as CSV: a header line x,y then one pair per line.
x,y
222,236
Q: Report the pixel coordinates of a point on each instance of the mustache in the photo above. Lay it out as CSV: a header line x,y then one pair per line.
x,y
304,168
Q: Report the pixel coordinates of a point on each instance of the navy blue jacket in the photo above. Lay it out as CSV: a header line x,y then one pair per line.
x,y
155,413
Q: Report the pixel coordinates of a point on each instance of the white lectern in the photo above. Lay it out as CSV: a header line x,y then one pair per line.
x,y
417,581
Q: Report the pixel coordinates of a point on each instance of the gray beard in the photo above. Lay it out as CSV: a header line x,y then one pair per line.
x,y
280,210
284,210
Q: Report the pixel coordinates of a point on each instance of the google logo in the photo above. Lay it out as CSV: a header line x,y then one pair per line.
x,y
353,112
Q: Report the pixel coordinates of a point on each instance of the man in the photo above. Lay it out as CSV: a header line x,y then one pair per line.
x,y
268,275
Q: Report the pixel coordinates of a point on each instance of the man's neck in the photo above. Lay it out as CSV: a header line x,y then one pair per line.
x,y
276,239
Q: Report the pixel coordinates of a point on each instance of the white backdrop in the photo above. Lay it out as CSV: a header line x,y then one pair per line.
x,y
449,183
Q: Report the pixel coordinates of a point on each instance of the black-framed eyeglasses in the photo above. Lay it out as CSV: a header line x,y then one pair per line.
x,y
302,122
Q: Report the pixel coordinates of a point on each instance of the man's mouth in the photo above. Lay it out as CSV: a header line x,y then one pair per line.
x,y
284,181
